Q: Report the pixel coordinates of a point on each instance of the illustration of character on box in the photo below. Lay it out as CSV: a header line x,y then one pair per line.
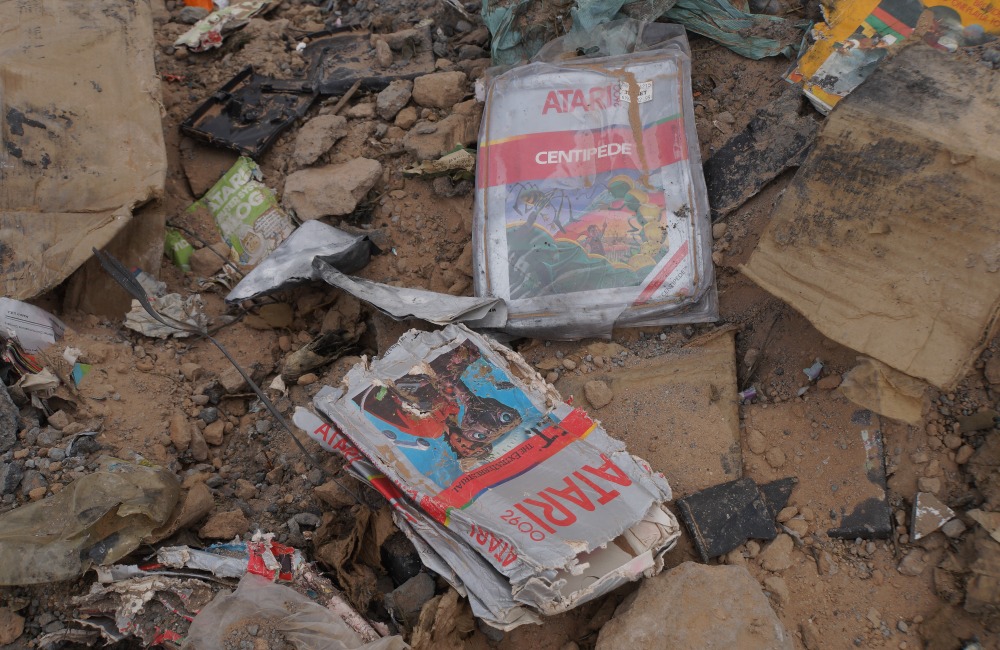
x,y
611,236
456,415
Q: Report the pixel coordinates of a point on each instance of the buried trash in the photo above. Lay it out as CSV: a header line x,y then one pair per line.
x,y
723,517
520,501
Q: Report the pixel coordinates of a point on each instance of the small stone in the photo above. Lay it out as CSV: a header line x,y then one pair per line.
x,y
180,432
929,484
11,626
225,525
317,136
756,441
979,421
778,554
32,480
552,377
199,448
913,564
192,371
362,111
829,382
393,98
10,476
598,393
902,627
213,433
383,53
440,89
992,370
245,490
208,415
787,513
37,493
207,261
798,526
307,379
719,230
59,420
232,381
569,364
953,528
775,457
874,617
963,454
406,118
334,190
810,635
752,548
951,441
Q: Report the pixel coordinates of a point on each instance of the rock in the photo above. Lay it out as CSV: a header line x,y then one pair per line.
x,y
383,53
778,554
913,564
11,626
32,481
810,635
406,118
393,98
8,420
316,137
38,493
232,382
829,382
307,379
245,489
778,589
59,420
929,484
992,370
199,448
963,454
598,393
719,230
440,89
696,606
333,495
192,371
786,514
980,421
798,526
191,15
569,364
213,433
225,525
427,140
756,442
365,111
406,601
180,432
10,477
775,457
334,190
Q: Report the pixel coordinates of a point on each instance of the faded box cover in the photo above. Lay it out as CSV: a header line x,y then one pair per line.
x,y
491,455
859,33
888,238
82,139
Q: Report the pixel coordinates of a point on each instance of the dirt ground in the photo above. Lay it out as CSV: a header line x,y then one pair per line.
x,y
829,593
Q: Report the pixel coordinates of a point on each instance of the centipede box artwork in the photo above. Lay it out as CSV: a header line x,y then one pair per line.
x,y
520,500
591,209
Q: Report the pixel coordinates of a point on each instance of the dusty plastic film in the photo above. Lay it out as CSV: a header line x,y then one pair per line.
x,y
591,210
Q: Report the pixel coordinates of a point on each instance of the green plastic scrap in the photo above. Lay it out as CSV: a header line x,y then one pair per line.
x,y
518,32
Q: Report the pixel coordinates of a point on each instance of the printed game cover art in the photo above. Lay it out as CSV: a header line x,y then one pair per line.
x,y
462,423
609,235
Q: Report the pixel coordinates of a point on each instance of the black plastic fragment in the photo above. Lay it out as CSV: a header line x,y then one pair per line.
x,y
724,516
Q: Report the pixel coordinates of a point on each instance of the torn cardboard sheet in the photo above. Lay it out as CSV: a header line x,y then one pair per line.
x,y
888,238
497,470
33,328
885,390
64,188
403,304
858,35
291,263
681,400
